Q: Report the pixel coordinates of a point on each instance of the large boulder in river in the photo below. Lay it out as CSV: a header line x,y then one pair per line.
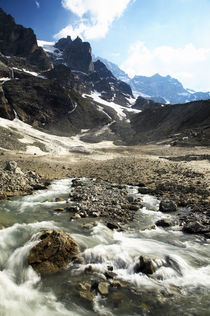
x,y
144,265
53,253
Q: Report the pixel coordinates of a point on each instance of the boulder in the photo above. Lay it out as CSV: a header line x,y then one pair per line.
x,y
167,206
103,288
196,227
144,265
163,223
53,253
11,166
112,226
145,190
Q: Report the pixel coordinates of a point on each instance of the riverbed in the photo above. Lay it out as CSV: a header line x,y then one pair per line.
x,y
179,286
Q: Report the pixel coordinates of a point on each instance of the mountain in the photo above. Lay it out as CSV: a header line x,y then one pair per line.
x,y
144,104
62,91
89,76
157,88
181,124
116,71
168,88
15,40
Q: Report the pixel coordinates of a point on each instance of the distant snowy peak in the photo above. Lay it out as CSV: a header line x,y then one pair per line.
x,y
157,88
165,90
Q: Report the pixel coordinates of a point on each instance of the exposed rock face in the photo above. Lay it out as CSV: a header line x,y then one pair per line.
x,y
37,101
16,40
112,89
76,54
53,253
4,70
62,74
5,109
143,104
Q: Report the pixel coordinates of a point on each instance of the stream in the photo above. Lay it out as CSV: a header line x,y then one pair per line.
x,y
180,285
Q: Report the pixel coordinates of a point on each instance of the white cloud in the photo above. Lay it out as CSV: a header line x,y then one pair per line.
x,y
188,64
37,4
101,14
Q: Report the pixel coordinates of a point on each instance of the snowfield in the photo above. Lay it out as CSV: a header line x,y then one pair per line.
x,y
119,109
55,145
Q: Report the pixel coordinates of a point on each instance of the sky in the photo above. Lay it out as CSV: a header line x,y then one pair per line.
x,y
143,37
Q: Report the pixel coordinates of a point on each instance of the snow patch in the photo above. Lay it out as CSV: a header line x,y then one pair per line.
x,y
47,46
118,108
4,79
35,151
55,145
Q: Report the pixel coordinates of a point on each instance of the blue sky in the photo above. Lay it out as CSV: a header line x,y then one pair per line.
x,y
142,36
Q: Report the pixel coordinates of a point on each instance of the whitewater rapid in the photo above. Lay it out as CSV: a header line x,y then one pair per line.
x,y
180,285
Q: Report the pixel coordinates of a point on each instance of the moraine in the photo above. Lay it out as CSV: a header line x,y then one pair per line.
x,y
107,280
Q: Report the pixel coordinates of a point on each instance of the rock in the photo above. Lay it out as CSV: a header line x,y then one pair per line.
x,y
84,291
39,186
88,269
134,207
144,266
131,198
59,199
167,206
110,275
76,216
11,166
163,223
53,253
59,210
87,295
117,284
145,190
112,226
76,54
103,288
16,40
96,214
147,227
196,228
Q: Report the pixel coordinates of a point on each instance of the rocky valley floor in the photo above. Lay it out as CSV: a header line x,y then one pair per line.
x,y
177,173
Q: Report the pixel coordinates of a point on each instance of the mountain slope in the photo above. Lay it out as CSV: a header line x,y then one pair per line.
x,y
183,123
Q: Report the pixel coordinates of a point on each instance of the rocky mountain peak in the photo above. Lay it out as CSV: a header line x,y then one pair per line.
x,y
16,40
76,54
102,70
64,43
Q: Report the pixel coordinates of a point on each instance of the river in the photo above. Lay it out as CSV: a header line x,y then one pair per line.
x,y
180,285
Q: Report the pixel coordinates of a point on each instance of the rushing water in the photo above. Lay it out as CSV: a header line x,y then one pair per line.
x,y
179,288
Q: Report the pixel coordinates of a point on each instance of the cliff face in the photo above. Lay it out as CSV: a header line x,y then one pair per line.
x,y
76,54
16,40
